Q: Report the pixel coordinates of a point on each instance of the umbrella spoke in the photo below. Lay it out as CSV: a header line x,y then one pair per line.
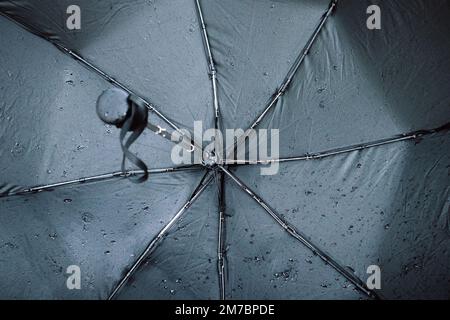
x,y
96,178
338,151
213,76
350,276
211,64
292,71
221,251
205,181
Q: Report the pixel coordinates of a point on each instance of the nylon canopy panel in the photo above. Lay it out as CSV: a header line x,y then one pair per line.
x,y
138,44
97,227
311,69
255,43
49,126
386,207
184,266
356,84
267,263
35,111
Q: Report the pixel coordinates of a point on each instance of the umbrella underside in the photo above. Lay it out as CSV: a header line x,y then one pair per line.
x,y
364,162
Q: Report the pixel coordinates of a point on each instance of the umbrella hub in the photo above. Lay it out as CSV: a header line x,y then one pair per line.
x,y
209,159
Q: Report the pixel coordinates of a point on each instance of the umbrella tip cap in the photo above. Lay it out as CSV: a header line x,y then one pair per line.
x,y
113,106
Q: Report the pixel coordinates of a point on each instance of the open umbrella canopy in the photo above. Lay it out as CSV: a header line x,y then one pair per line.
x,y
362,166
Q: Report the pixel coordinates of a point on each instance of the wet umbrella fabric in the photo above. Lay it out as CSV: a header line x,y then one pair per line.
x,y
374,204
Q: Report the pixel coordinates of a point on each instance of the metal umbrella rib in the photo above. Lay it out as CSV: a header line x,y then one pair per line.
x,y
291,73
222,260
410,136
213,77
221,244
298,62
95,178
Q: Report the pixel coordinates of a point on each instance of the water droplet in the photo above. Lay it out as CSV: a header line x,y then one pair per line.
x,y
17,149
107,252
322,104
387,226
172,292
67,200
53,236
87,217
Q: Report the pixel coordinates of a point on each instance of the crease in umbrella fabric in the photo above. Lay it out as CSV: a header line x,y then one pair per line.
x,y
376,99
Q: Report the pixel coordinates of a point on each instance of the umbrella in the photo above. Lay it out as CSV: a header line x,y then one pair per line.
x,y
363,162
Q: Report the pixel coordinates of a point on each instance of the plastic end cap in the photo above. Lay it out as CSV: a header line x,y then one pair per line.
x,y
113,106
